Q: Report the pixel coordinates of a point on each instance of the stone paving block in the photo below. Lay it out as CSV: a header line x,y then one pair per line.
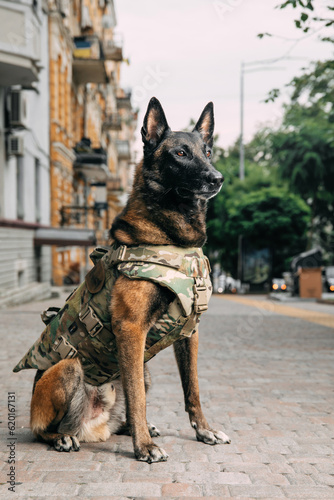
x,y
181,490
248,468
308,492
216,490
268,478
326,468
79,477
300,479
45,489
325,479
149,477
214,477
202,467
303,468
256,491
120,489
81,466
170,466
184,458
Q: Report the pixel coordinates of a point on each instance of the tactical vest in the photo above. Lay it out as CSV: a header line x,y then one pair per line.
x,y
83,326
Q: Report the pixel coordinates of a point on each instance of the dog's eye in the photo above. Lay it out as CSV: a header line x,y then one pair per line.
x,y
181,153
208,154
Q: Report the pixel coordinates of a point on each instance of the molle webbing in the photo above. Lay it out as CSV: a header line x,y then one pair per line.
x,y
83,326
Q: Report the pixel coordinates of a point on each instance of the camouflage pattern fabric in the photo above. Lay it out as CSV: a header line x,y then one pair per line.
x,y
83,326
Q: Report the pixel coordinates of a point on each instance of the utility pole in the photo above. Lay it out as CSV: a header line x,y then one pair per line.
x,y
242,149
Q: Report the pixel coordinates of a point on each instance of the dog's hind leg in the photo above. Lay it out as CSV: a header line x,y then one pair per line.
x,y
186,356
52,401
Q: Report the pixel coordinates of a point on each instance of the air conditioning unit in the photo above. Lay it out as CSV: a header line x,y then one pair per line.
x,y
17,109
86,21
64,7
15,145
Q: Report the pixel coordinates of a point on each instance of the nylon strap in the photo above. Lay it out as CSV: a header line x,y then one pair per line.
x,y
125,254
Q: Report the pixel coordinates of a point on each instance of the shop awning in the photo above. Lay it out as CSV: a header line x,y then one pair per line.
x,y
65,237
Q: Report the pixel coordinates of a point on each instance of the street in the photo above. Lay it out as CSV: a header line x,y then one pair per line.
x,y
266,379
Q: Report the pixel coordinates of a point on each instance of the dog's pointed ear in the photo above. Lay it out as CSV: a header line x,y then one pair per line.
x,y
155,124
205,124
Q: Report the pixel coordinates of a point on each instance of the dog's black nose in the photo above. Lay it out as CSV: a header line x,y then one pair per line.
x,y
215,178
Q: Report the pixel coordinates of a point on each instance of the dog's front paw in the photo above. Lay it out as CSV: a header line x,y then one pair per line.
x,y
153,430
210,436
150,453
66,443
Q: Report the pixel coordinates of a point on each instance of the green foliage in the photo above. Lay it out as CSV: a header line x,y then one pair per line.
x,y
259,208
303,147
306,20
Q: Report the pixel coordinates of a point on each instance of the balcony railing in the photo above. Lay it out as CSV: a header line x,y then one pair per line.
x,y
114,185
91,162
113,49
113,122
123,150
88,60
124,102
20,43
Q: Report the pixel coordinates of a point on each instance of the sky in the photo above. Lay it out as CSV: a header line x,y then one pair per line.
x,y
189,52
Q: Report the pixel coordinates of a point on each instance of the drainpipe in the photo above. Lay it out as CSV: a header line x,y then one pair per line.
x,y
85,121
84,269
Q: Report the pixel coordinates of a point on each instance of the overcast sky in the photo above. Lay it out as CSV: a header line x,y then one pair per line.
x,y
188,52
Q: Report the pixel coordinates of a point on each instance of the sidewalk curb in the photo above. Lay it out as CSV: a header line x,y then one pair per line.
x,y
32,291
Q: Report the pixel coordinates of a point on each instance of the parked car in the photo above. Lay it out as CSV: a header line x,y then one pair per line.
x,y
278,285
329,279
226,284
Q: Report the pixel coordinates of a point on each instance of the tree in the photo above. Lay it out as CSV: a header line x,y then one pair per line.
x,y
261,209
307,20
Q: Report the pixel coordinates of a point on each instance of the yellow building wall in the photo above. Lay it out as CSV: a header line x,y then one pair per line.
x,y
78,111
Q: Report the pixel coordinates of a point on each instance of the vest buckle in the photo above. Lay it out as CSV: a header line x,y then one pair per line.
x,y
117,256
200,296
64,348
91,321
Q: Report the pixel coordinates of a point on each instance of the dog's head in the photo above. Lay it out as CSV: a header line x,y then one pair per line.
x,y
179,161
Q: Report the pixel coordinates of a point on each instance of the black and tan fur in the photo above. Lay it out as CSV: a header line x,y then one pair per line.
x,y
167,206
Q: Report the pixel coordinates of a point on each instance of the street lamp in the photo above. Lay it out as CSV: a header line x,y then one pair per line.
x,y
243,70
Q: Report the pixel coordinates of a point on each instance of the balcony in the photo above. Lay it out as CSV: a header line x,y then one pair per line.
x,y
123,150
113,122
91,163
20,42
113,50
124,102
114,185
88,61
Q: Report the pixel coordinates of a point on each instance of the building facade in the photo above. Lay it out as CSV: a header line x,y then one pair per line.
x,y
24,143
88,173
73,168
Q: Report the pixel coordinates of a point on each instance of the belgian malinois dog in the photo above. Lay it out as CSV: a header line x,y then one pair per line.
x,y
167,206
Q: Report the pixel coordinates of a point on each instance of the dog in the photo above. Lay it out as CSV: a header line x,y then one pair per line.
x,y
167,206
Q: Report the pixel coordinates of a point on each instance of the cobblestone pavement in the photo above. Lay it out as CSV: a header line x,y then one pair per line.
x,y
266,379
